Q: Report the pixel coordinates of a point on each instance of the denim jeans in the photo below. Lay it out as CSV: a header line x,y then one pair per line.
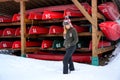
x,y
68,59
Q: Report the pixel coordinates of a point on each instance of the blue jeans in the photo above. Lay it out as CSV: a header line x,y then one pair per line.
x,y
68,59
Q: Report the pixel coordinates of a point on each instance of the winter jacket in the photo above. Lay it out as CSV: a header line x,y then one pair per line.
x,y
71,38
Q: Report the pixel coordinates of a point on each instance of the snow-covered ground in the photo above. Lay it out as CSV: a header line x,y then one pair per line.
x,y
19,68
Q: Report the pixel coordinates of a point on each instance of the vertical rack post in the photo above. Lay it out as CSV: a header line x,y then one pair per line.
x,y
95,60
23,28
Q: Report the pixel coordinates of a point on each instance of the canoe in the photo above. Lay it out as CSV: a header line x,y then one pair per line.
x,y
49,15
46,44
57,44
101,44
1,32
59,8
111,30
55,29
16,17
109,10
17,31
81,28
82,57
35,16
17,44
38,30
4,19
5,44
9,32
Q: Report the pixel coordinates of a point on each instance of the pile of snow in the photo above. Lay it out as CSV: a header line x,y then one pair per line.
x,y
19,68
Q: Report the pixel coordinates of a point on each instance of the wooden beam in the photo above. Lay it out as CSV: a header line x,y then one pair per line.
x,y
20,0
102,50
4,0
84,12
23,27
94,28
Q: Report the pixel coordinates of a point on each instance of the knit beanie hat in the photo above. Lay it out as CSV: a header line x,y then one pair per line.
x,y
67,21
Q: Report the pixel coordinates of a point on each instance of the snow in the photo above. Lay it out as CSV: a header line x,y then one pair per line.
x,y
19,68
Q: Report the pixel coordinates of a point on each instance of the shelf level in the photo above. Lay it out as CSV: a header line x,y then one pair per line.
x,y
33,49
47,21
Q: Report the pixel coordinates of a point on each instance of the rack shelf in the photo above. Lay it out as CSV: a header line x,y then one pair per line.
x,y
9,36
32,49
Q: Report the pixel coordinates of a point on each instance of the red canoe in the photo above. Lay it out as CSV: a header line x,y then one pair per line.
x,y
111,30
16,17
76,13
84,58
81,29
9,32
4,19
101,44
35,16
5,44
1,32
17,44
58,8
17,31
38,30
109,10
48,15
46,44
55,30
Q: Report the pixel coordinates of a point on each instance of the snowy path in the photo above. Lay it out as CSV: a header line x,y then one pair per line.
x,y
18,68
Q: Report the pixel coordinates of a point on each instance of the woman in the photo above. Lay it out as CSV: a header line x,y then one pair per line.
x,y
71,38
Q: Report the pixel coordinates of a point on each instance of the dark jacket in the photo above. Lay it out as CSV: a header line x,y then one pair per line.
x,y
71,38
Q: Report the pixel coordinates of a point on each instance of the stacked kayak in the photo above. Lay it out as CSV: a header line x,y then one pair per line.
x,y
46,44
35,16
38,30
109,10
4,19
101,44
47,15
77,57
5,44
55,29
17,44
9,32
111,30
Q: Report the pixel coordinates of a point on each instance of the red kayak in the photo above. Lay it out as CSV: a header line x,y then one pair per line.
x,y
80,28
16,17
55,30
17,44
111,30
9,32
35,16
48,15
58,8
1,32
101,44
46,44
109,10
38,30
76,13
17,31
82,57
5,44
4,19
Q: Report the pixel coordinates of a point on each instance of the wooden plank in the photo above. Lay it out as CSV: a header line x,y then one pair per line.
x,y
84,12
94,28
33,49
102,50
57,35
9,36
23,27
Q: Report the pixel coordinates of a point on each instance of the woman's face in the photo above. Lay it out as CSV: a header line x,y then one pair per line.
x,y
67,26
